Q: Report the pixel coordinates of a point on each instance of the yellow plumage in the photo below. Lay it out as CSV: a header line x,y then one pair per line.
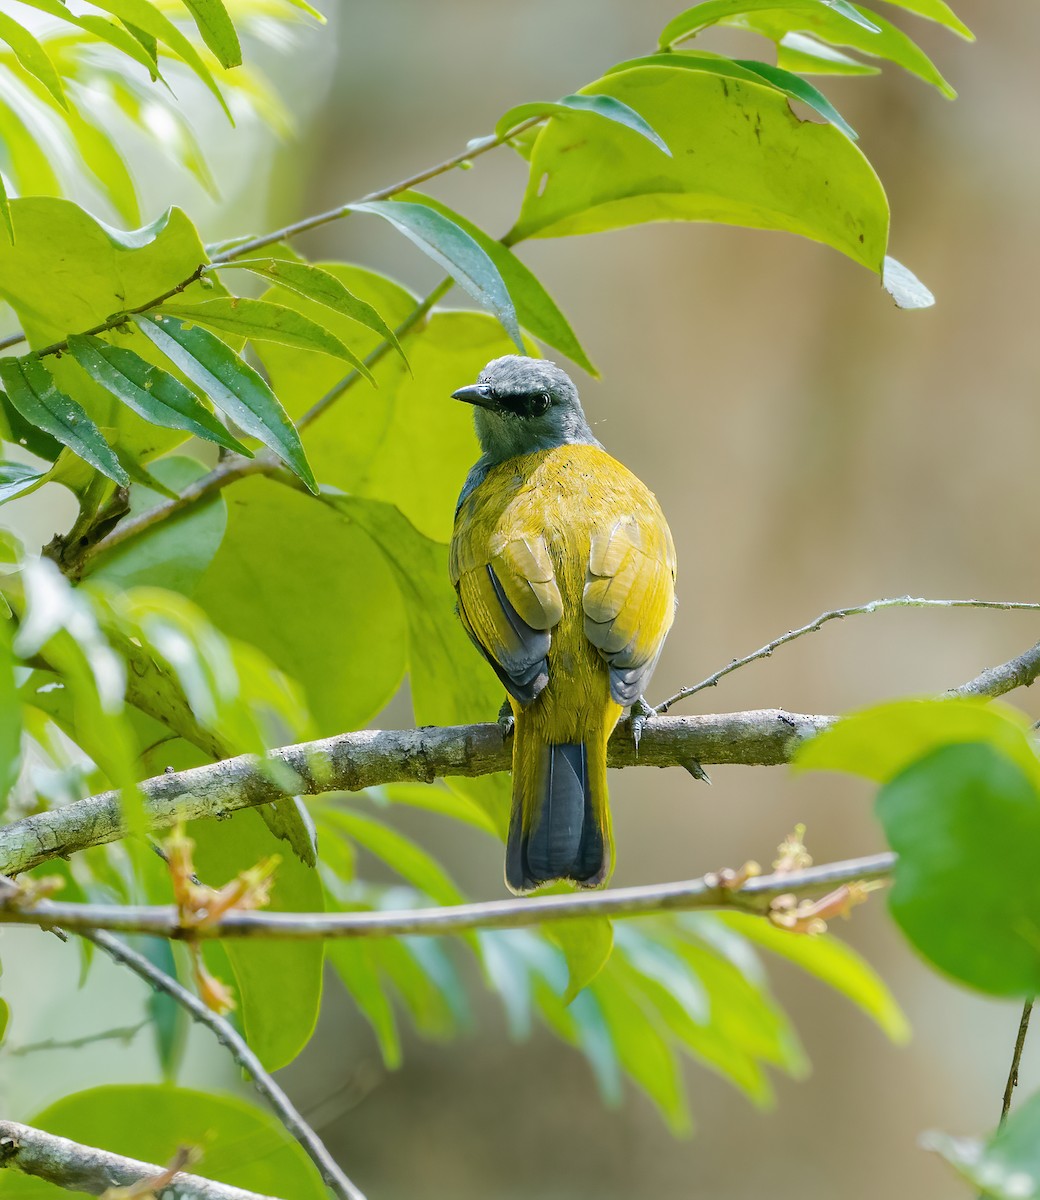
x,y
565,570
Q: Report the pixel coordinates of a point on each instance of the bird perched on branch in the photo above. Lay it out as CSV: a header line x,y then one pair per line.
x,y
565,574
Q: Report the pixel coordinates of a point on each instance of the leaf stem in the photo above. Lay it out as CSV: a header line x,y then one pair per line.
x,y
1016,1059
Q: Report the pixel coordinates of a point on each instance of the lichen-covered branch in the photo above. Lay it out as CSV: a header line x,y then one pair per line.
x,y
367,758
80,1169
756,895
370,757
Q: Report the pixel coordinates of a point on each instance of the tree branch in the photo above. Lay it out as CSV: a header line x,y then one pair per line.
x,y
78,1168
351,762
837,614
229,1037
755,896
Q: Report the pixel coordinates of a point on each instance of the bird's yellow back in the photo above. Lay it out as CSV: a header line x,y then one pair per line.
x,y
565,571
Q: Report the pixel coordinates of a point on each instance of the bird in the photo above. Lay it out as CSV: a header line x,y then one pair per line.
x,y
564,570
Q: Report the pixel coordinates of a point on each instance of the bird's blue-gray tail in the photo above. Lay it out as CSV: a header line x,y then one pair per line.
x,y
559,825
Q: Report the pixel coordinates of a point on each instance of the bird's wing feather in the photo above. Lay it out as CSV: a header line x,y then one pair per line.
x,y
509,601
629,597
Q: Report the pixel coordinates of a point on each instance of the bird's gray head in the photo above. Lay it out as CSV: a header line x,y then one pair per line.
x,y
523,405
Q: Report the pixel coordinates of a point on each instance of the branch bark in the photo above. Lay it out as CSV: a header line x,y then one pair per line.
x,y
351,762
78,1168
755,896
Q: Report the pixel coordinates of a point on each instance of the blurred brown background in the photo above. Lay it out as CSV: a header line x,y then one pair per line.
x,y
813,447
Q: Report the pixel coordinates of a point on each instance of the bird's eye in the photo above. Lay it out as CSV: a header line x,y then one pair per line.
x,y
541,403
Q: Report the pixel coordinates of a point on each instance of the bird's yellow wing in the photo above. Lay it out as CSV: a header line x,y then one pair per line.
x,y
629,597
509,600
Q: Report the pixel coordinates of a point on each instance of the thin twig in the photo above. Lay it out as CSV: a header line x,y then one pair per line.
x,y
236,1045
125,1034
836,614
756,896
86,1169
1016,1058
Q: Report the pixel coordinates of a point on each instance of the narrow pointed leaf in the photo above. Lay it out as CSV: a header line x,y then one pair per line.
x,y
147,17
149,390
806,56
689,23
456,251
34,394
260,320
799,89
16,479
232,385
32,56
217,30
586,946
148,44
319,285
941,13
602,106
124,38
535,308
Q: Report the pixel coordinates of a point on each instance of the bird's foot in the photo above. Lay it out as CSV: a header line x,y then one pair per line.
x,y
506,720
641,713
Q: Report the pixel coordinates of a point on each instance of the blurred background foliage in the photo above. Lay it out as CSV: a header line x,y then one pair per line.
x,y
811,445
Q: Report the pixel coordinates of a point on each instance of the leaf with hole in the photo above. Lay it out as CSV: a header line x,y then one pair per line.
x,y
739,158
450,246
232,385
33,393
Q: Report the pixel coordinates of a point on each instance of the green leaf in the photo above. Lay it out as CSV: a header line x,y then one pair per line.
x,y
938,11
217,29
964,822
125,39
880,742
356,963
5,1016
151,392
324,288
16,479
330,615
1004,1167
29,164
889,43
32,391
435,798
278,983
399,853
233,386
739,158
601,106
243,1146
5,212
10,717
756,72
691,22
147,17
261,320
643,1047
833,963
450,246
32,56
807,56
535,308
177,551
586,946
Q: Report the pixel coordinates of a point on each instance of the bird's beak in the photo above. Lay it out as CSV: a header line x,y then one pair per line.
x,y
476,393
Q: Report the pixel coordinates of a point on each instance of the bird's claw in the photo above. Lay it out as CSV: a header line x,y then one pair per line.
x,y
641,713
506,720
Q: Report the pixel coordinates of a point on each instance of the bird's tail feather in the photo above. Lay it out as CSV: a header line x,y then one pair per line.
x,y
559,826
